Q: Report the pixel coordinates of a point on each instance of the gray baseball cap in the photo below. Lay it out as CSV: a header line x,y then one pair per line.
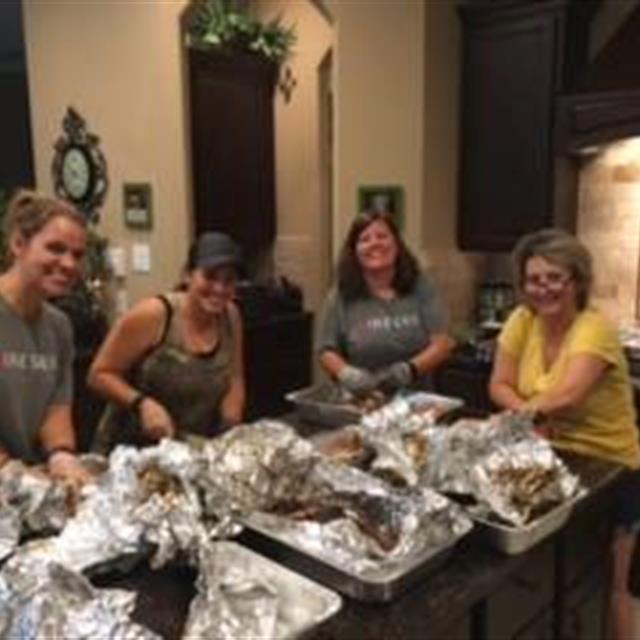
x,y
214,249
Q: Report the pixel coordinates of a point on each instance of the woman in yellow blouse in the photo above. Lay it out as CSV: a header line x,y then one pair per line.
x,y
562,359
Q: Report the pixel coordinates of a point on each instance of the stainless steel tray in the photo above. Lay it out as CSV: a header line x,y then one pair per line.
x,y
303,604
380,584
515,540
322,404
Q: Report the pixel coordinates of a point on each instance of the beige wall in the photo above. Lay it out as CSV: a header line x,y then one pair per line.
x,y
379,105
119,65
298,173
396,76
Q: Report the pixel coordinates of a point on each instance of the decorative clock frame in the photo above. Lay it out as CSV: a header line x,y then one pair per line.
x,y
76,139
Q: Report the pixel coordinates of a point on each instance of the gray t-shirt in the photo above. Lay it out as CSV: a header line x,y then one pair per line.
x,y
35,373
373,333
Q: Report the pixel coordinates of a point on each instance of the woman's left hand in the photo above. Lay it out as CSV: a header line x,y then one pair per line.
x,y
66,466
396,376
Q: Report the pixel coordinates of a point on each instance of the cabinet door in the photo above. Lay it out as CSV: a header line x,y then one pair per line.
x,y
510,68
233,147
277,361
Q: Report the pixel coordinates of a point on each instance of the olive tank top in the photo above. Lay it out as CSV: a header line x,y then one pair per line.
x,y
189,385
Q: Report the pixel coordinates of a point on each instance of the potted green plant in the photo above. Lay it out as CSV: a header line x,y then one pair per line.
x,y
222,25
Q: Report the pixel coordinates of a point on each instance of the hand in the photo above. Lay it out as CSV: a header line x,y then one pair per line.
x,y
358,381
155,420
399,375
65,466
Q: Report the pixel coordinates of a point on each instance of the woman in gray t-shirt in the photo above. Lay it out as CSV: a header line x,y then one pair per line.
x,y
46,240
383,325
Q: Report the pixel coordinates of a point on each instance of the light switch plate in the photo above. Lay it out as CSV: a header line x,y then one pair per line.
x,y
141,257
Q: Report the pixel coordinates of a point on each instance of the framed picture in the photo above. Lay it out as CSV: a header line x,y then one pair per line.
x,y
137,205
383,199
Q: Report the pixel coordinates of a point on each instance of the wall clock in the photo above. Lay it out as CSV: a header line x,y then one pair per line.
x,y
79,169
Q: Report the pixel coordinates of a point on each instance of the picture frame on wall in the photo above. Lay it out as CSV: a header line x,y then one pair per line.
x,y
137,202
387,199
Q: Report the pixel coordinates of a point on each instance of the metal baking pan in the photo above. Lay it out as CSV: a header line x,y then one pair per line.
x,y
514,540
324,404
303,604
380,584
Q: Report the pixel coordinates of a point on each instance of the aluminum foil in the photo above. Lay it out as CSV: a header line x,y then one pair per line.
x,y
453,451
230,602
375,525
41,503
9,529
148,499
410,412
523,482
258,465
46,600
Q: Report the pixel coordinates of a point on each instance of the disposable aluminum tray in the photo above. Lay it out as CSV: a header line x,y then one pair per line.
x,y
303,604
320,404
379,584
515,540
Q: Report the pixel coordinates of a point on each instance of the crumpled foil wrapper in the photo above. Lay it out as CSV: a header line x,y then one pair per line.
x,y
453,451
409,412
10,526
258,465
230,604
267,469
522,482
378,527
148,499
47,600
39,501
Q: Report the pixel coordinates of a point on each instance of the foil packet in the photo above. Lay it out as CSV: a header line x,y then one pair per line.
x,y
149,499
230,603
257,465
452,452
47,600
362,523
41,503
410,412
278,478
523,482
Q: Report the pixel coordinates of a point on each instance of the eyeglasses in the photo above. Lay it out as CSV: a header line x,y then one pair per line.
x,y
549,281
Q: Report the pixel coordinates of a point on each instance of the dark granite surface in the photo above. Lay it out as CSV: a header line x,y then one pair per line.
x,y
450,598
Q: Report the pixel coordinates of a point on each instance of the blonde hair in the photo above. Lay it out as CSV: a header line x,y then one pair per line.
x,y
562,249
29,212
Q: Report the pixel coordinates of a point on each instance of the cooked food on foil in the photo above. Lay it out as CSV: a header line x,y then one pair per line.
x,y
523,482
333,509
348,446
368,512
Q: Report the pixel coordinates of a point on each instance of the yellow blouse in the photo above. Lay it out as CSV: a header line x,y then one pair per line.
x,y
604,425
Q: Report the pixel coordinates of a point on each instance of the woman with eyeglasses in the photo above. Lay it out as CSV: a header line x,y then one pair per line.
x,y
383,325
562,359
172,366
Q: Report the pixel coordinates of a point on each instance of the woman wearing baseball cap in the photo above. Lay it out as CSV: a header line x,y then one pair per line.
x,y
172,365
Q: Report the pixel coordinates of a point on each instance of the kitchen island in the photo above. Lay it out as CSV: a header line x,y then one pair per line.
x,y
554,590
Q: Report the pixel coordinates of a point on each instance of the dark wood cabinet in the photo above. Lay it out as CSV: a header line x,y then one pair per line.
x,y
470,382
277,360
16,159
512,66
233,147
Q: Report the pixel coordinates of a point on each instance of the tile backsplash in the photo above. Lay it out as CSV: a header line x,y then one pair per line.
x,y
609,225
